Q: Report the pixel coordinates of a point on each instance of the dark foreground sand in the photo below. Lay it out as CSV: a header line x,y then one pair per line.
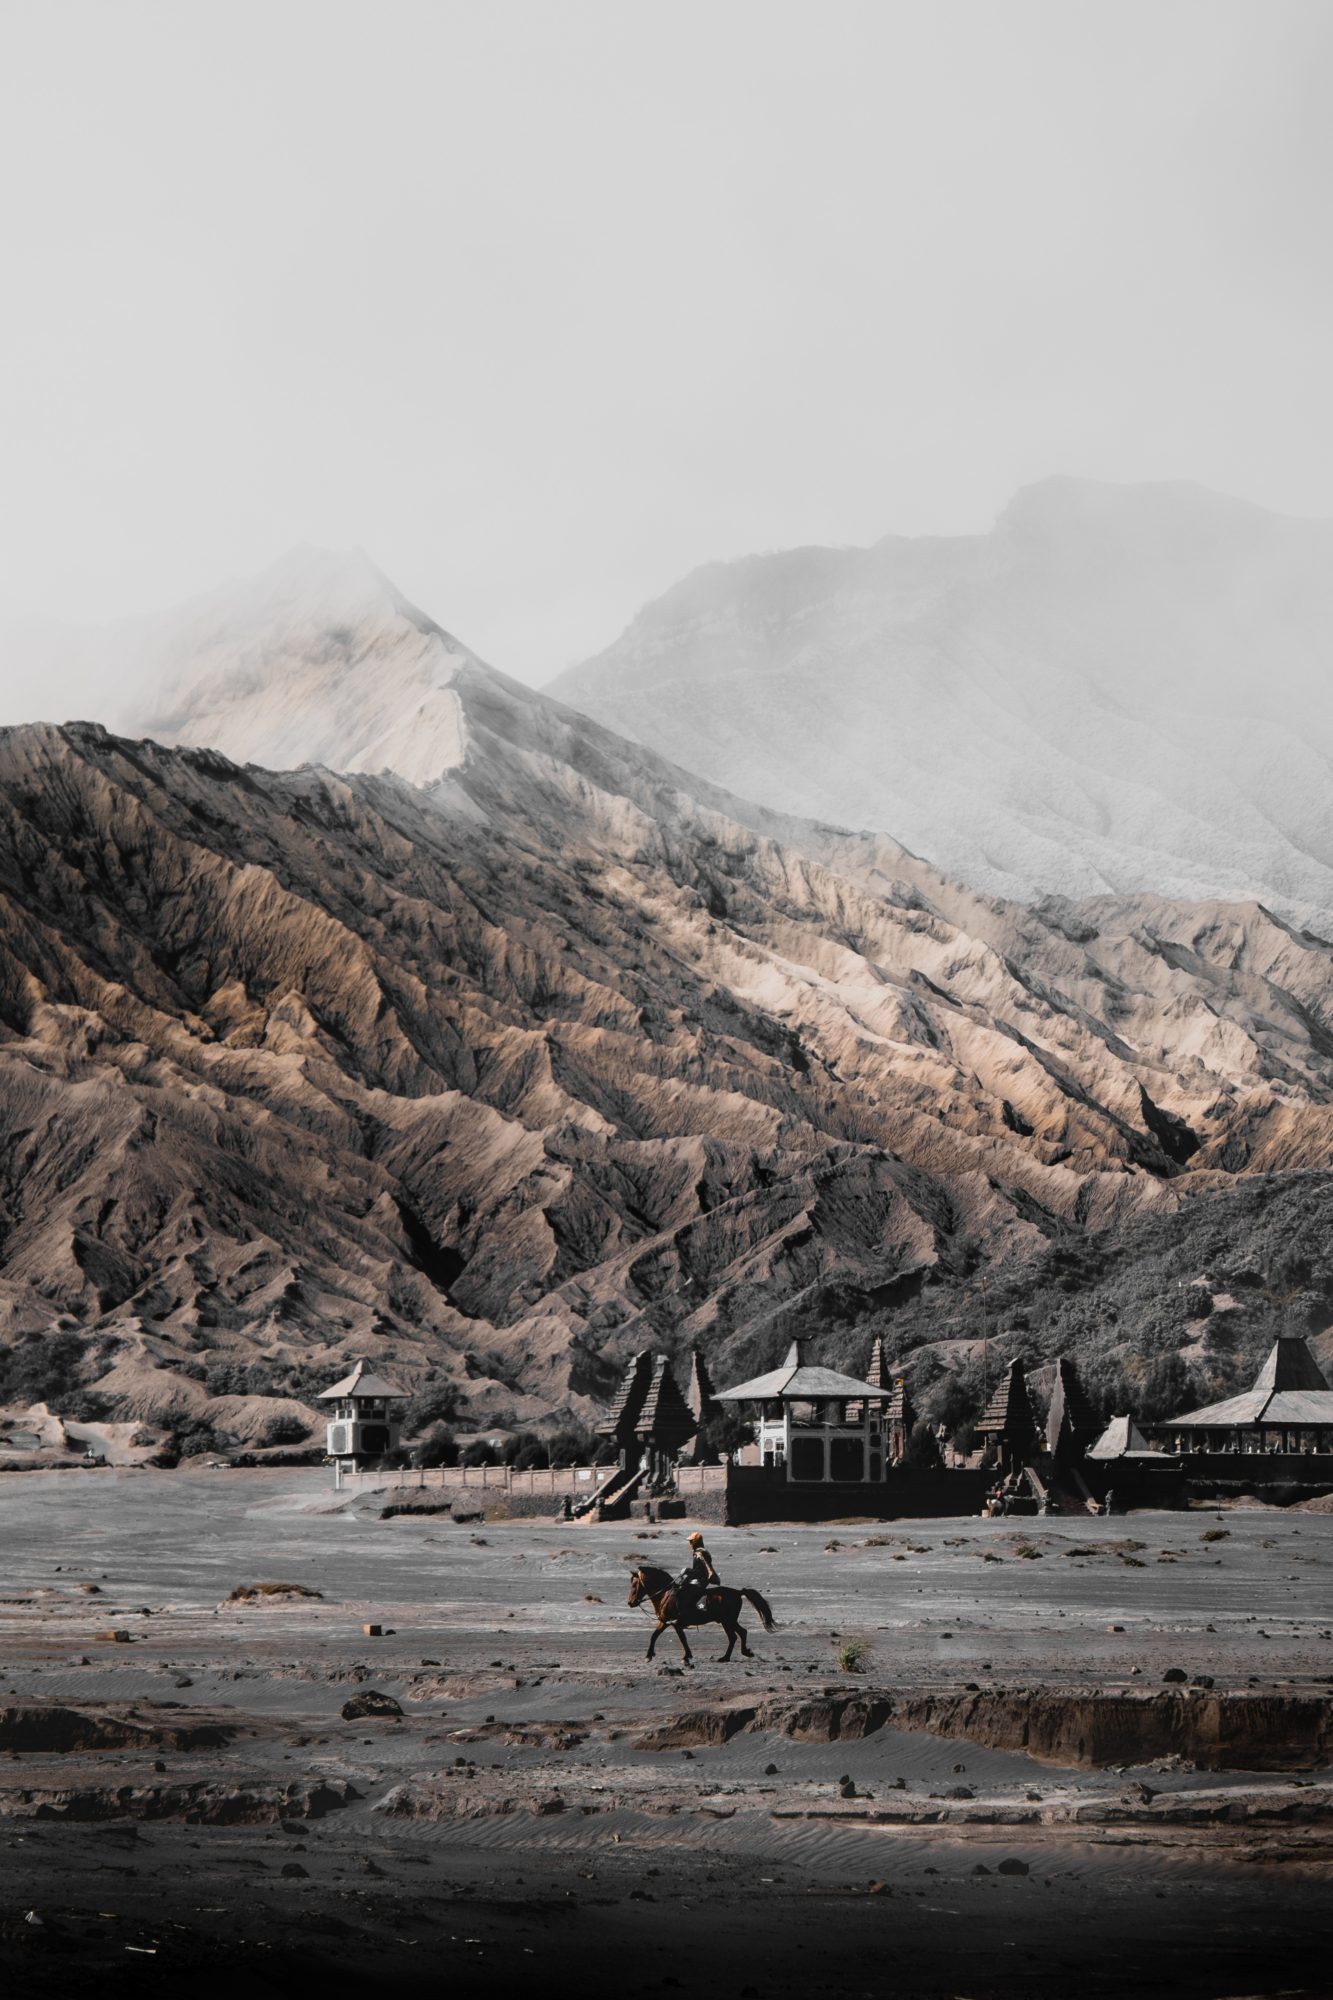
x,y
190,1811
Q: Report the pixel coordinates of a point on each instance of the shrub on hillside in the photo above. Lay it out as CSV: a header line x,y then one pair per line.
x,y
438,1447
45,1368
572,1446
437,1403
284,1428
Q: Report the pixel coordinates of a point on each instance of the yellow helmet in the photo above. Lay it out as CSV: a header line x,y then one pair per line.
x,y
695,1537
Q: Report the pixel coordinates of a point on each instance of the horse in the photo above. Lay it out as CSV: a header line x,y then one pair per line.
x,y
721,1606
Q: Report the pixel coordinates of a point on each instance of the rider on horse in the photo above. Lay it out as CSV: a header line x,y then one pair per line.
x,y
696,1579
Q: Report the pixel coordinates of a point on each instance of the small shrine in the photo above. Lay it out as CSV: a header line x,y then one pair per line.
x,y
899,1411
1008,1423
650,1421
364,1422
1072,1425
815,1425
701,1402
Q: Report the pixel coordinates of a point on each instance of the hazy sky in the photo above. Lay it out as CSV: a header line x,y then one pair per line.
x,y
543,304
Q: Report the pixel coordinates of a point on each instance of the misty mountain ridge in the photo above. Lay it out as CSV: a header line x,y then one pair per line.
x,y
489,1038
1118,689
553,1059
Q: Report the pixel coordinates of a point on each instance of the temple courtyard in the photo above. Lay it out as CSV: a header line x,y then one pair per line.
x,y
981,1757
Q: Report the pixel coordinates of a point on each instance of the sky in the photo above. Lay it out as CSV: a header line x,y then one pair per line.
x,y
543,305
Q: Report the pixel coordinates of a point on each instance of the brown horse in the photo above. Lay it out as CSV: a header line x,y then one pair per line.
x,y
721,1606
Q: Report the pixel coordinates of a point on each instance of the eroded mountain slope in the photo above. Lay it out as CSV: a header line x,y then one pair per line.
x,y
554,1059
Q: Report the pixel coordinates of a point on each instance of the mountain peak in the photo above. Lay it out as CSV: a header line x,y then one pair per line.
x,y
317,659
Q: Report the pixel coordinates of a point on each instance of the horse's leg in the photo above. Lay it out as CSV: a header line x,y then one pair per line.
x,y
654,1636
730,1631
745,1641
685,1645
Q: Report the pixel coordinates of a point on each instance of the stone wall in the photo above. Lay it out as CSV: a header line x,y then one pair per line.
x,y
755,1494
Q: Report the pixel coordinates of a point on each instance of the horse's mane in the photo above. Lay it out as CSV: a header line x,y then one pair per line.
x,y
654,1578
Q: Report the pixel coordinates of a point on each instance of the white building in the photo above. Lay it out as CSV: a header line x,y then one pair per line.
x,y
363,1422
815,1425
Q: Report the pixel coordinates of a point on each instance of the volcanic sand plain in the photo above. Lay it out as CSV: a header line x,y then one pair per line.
x,y
187,1804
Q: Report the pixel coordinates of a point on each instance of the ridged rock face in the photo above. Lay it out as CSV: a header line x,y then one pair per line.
x,y
1119,689
568,1056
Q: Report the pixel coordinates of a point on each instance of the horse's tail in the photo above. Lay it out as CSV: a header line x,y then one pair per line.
x,y
760,1603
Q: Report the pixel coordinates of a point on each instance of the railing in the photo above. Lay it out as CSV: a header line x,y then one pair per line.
x,y
579,1480
555,1479
701,1478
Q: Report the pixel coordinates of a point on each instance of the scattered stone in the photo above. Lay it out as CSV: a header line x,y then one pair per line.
x,y
370,1702
1013,1866
293,1869
373,1631
248,1593
1175,1674
115,1637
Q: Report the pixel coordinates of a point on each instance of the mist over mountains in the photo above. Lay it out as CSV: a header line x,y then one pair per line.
x,y
384,1005
1117,689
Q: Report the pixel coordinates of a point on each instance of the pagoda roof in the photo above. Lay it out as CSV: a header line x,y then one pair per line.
x,y
1289,1389
665,1416
797,1381
1071,1414
629,1397
1009,1412
363,1382
1122,1438
1290,1366
700,1391
1312,1406
900,1403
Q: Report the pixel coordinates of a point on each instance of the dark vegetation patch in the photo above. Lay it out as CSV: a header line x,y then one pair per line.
x,y
50,1368
1122,1305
